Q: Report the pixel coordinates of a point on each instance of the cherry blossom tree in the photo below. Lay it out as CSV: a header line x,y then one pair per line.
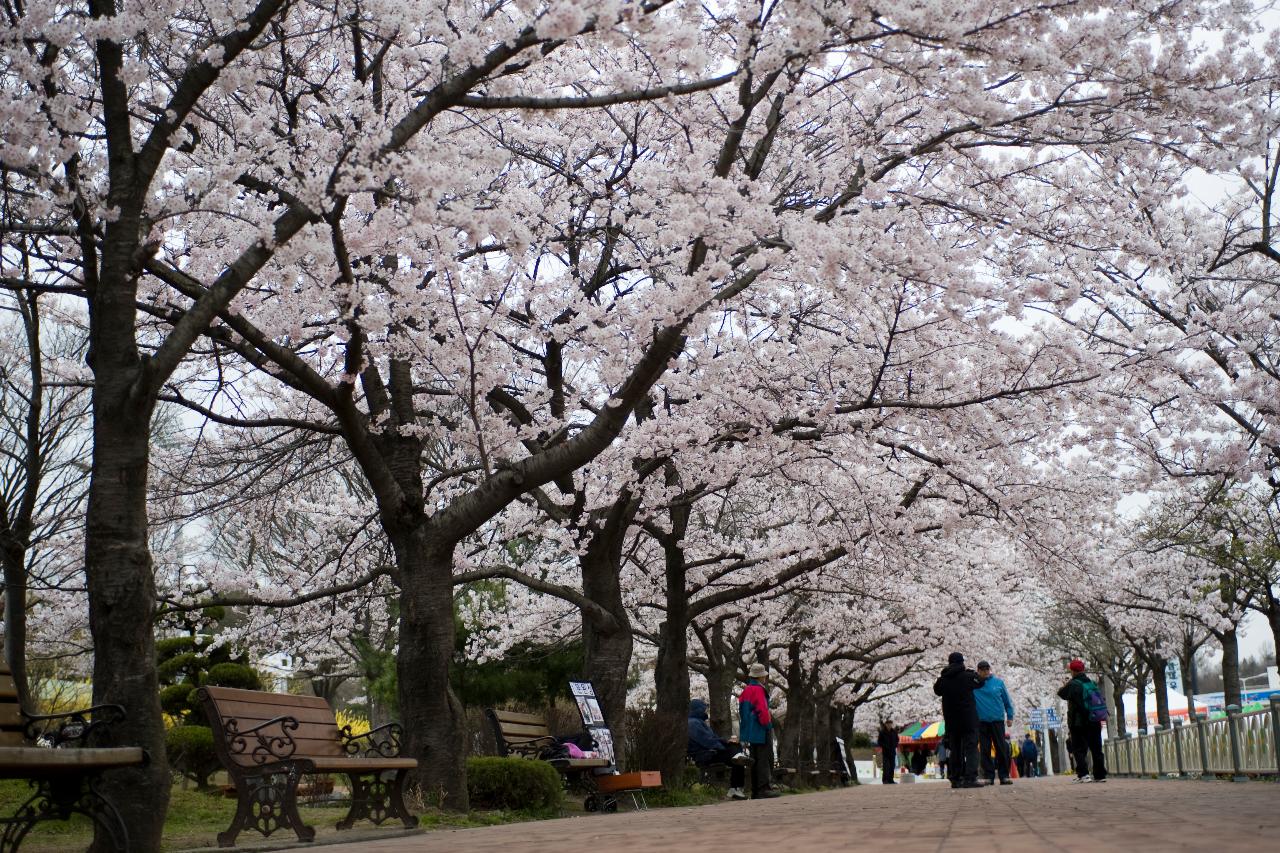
x,y
43,437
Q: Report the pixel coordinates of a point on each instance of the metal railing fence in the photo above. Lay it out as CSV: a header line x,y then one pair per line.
x,y
1237,745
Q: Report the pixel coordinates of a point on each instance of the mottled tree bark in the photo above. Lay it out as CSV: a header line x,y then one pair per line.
x,y
118,566
672,675
1230,667
433,718
607,646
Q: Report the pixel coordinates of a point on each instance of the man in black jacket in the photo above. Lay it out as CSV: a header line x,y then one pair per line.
x,y
960,715
887,740
1086,733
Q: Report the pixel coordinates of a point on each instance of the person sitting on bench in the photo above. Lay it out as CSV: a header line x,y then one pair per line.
x,y
707,748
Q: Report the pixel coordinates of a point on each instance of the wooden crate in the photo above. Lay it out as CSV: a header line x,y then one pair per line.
x,y
629,781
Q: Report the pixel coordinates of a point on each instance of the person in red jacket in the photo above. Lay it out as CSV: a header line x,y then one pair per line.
x,y
754,727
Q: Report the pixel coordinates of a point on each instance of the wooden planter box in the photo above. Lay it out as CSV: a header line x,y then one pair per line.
x,y
629,781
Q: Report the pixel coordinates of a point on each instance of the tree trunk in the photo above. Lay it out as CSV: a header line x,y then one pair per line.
x,y
720,678
807,745
1273,620
1160,675
15,622
1140,685
789,754
1117,699
1231,667
672,675
607,648
822,739
435,726
1188,657
121,583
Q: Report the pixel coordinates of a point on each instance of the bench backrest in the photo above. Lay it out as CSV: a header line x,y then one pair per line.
x,y
11,723
516,732
316,736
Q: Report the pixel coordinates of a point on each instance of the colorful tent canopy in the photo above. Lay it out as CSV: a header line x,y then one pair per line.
x,y
922,731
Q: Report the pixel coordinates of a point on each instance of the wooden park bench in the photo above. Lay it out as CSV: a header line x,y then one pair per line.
x,y
57,754
527,736
267,741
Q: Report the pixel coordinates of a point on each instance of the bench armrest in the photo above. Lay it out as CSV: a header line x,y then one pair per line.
x,y
78,728
382,742
260,745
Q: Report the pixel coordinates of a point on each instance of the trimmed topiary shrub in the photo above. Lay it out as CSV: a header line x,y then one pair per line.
x,y
516,784
190,749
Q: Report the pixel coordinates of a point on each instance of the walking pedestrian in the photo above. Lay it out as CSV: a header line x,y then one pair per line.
x,y
754,728
942,759
1030,754
919,760
994,707
887,740
956,685
1086,712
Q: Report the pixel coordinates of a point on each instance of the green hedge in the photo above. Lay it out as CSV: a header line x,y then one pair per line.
x,y
190,751
516,784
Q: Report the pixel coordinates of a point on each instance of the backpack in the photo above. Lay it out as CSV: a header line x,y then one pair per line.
x,y
1095,706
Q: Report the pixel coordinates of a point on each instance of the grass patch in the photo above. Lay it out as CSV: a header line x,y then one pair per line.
x,y
696,794
195,818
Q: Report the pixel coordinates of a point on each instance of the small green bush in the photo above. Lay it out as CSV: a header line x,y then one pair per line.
x,y
190,752
228,674
515,784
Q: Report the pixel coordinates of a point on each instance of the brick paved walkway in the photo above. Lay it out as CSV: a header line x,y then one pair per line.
x,y
1031,815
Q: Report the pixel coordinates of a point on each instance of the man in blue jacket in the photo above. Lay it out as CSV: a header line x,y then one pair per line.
x,y
994,708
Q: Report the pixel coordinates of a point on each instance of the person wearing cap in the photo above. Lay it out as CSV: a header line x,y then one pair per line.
x,y
754,727
887,740
994,708
1086,733
956,685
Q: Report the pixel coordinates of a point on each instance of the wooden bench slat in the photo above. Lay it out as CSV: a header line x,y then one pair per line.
x,y
260,713
579,763
234,694
510,730
519,718
30,761
11,716
362,765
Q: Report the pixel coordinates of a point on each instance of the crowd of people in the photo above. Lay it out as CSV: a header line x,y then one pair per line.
x,y
976,708
978,748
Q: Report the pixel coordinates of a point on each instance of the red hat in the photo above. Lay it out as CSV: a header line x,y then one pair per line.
x,y
1076,665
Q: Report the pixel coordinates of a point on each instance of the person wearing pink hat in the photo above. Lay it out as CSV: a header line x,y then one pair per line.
x,y
1086,712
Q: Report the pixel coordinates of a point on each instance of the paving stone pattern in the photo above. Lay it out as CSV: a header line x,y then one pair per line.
x,y
1031,815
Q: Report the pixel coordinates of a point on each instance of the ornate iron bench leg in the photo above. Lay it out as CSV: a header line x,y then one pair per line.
x,y
58,799
378,798
398,808
267,802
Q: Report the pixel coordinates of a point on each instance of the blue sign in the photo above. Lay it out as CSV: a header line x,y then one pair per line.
x,y
1042,718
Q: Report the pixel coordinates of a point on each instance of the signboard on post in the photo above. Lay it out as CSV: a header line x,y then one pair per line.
x,y
1045,718
1173,675
584,694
